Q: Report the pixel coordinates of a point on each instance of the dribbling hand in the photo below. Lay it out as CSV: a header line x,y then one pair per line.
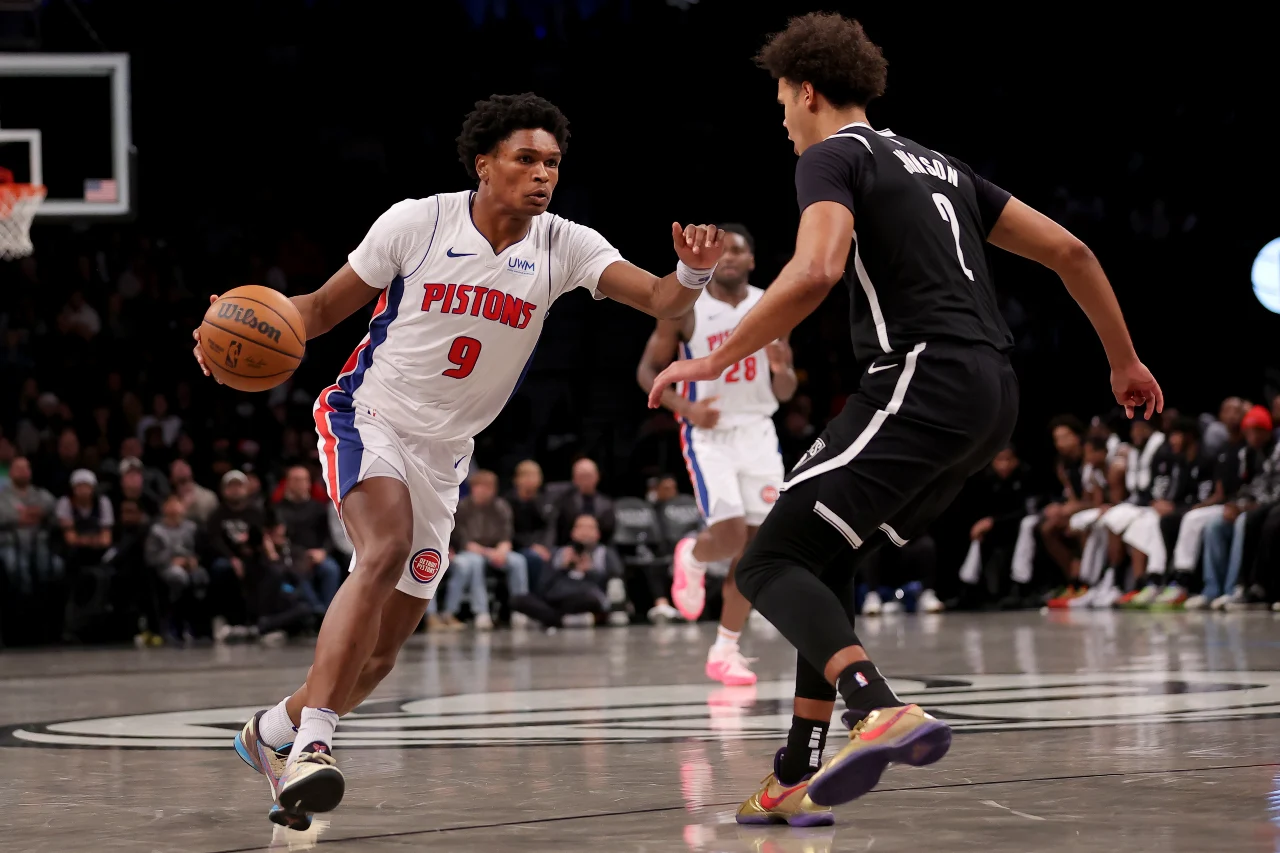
x,y
1134,387
200,355
699,246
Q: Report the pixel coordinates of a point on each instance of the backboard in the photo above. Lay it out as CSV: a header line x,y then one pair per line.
x,y
65,122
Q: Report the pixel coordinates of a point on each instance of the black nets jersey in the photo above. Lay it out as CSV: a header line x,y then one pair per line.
x,y
917,269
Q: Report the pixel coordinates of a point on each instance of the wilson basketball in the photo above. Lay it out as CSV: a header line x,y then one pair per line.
x,y
252,338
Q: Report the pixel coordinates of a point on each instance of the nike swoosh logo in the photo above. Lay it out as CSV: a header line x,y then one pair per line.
x,y
876,368
451,253
771,803
872,734
459,462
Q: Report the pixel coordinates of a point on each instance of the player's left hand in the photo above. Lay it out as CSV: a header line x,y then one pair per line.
x,y
683,370
699,246
779,353
1134,387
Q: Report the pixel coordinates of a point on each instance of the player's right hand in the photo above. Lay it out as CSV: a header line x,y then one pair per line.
x,y
703,414
197,351
1134,387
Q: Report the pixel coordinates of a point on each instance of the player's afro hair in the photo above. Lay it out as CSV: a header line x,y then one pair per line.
x,y
495,119
832,53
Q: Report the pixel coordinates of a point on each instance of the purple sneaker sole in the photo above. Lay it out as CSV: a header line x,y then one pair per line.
x,y
806,819
860,771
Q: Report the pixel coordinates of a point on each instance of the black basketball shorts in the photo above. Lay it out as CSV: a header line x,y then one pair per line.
x,y
920,424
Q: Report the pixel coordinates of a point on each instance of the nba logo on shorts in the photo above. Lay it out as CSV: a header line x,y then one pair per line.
x,y
769,494
425,565
860,678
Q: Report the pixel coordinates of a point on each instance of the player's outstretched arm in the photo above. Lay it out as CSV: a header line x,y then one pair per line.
x,y
822,249
659,352
1029,233
699,248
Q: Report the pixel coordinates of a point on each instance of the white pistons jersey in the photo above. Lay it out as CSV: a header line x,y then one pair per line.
x,y
745,390
457,323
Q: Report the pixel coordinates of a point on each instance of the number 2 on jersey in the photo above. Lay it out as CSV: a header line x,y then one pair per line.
x,y
747,366
949,215
463,354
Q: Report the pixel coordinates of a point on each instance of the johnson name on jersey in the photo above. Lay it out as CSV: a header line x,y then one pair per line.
x,y
456,324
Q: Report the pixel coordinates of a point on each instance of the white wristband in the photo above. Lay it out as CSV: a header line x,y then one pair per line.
x,y
691,278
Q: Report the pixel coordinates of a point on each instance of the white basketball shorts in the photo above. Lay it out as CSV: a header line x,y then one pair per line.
x,y
356,446
736,471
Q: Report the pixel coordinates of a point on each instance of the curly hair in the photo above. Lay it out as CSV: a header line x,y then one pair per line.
x,y
832,53
496,118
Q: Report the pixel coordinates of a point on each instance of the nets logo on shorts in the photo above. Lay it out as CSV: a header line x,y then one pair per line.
x,y
769,494
425,565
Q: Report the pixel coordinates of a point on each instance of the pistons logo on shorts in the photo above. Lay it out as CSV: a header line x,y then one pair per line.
x,y
425,565
769,494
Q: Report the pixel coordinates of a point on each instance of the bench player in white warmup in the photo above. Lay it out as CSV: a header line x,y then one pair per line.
x,y
730,445
463,282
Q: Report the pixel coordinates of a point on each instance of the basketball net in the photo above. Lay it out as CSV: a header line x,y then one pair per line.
x,y
18,205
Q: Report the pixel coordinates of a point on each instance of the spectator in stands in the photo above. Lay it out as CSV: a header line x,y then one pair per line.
x,y
171,554
1146,445
132,487
665,488
1222,554
198,502
79,318
531,524
576,581
235,531
306,523
1225,431
280,601
1055,533
87,520
26,518
583,499
1002,498
55,474
170,424
485,531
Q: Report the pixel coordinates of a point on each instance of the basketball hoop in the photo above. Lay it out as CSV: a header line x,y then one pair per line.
x,y
18,205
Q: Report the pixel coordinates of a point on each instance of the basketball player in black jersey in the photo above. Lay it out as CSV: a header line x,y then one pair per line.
x,y
905,226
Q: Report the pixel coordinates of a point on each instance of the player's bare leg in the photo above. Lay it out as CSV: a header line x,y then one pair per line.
x,y
720,541
379,519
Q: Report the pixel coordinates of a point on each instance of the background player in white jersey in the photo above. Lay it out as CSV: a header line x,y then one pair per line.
x,y
729,443
463,282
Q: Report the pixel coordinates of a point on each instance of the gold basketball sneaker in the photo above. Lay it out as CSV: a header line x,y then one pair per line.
x,y
778,803
312,783
270,763
902,735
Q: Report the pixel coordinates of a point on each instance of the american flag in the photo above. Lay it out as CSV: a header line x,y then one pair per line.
x,y
100,191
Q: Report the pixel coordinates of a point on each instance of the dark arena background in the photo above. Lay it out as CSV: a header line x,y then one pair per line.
x,y
191,148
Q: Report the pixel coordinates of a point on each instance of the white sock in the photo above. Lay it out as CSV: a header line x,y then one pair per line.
x,y
275,728
318,724
692,562
726,638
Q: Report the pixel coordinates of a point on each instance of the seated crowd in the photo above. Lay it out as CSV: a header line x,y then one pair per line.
x,y
1176,512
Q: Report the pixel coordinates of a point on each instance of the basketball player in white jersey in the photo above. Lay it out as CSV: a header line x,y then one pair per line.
x,y
729,443
463,283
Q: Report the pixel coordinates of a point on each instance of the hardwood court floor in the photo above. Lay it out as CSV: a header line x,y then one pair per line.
x,y
1074,731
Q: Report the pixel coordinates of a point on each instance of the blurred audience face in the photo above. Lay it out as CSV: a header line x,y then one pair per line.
x,y
1231,413
484,486
235,492
68,446
131,483
186,446
1005,463
528,478
131,447
131,515
254,485
1066,442
7,451
586,531
297,486
667,488
20,472
82,494
179,473
1257,437
174,512
586,476
1275,409
160,405
1140,432
1095,453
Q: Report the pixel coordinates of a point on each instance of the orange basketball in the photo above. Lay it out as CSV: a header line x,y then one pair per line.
x,y
252,338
